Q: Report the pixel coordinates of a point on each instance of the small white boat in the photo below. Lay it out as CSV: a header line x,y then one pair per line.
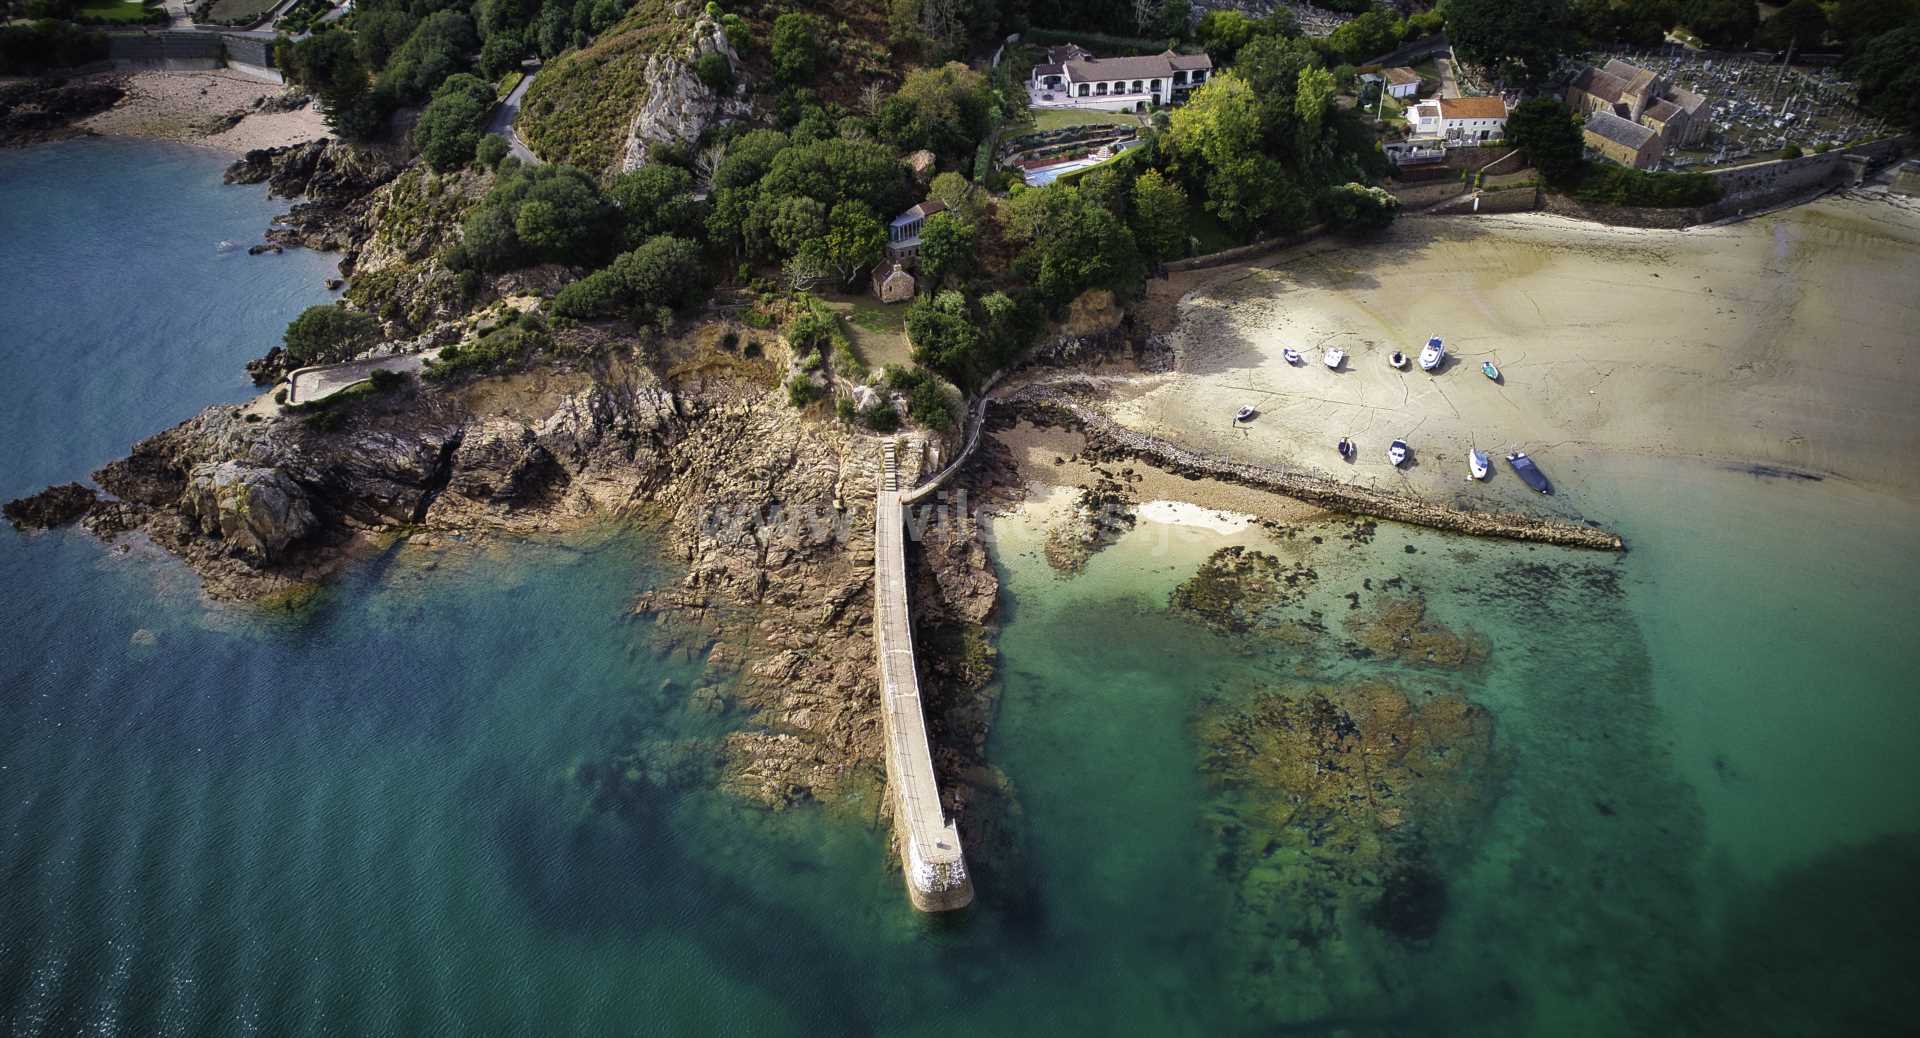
x,y
1334,357
1478,463
1433,354
1398,361
1292,355
1397,453
1245,414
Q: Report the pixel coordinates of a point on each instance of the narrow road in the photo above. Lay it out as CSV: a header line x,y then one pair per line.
x,y
1449,86
507,112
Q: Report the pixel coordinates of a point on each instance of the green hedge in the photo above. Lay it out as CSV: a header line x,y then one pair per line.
x,y
1618,185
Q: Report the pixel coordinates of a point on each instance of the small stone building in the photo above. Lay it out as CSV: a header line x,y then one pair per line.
x,y
893,284
1620,140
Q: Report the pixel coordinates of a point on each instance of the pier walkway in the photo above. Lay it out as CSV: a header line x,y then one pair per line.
x,y
936,870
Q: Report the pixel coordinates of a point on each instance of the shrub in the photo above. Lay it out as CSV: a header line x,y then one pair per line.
x,y
499,350
715,71
798,45
928,403
384,380
1791,151
843,409
1618,185
491,149
880,416
802,391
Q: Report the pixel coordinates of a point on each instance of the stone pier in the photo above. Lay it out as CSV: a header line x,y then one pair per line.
x,y
936,870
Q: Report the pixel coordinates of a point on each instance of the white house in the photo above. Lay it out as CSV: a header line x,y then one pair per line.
x,y
1074,78
1458,120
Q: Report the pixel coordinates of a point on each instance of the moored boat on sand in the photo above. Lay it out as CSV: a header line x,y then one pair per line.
x,y
1433,354
1397,453
1334,357
1478,464
1245,414
1397,361
1488,369
1528,472
1347,449
1292,355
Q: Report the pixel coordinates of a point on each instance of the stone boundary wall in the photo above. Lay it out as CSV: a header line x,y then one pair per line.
x,y
186,49
1619,215
1433,192
1246,252
1767,183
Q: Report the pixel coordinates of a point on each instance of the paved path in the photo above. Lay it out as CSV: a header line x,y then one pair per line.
x,y
937,879
1449,86
307,385
507,112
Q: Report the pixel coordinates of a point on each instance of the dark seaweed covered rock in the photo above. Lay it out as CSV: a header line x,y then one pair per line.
x,y
54,506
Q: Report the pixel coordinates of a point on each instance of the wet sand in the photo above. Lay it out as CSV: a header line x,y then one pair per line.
x,y
1783,341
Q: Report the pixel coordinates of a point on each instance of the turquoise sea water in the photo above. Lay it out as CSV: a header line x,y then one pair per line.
x,y
368,817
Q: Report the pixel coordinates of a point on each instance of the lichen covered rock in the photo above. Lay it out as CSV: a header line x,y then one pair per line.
x,y
257,511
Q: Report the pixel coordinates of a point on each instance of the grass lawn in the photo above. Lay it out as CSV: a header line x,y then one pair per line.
x,y
879,333
229,10
1061,118
508,82
114,10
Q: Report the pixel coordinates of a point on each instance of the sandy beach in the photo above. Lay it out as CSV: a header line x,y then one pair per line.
x,y
1783,341
186,106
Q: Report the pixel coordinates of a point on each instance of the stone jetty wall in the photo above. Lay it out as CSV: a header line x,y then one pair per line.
x,y
1107,437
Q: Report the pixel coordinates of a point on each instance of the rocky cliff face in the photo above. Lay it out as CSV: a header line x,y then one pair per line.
x,y
336,179
679,107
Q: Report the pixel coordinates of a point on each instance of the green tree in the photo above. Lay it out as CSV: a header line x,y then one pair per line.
x,y
946,337
328,333
378,32
962,197
437,48
656,199
1070,245
491,149
854,241
949,246
799,46
1721,23
1887,70
715,72
1857,21
450,127
1524,39
1801,24
1551,137
329,65
1374,32
501,54
663,272
1313,98
1218,132
946,109
1159,216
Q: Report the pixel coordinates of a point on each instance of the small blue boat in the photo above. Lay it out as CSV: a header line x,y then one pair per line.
x,y
1487,369
1528,472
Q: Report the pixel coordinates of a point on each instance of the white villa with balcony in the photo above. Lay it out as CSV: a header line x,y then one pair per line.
x,y
1074,78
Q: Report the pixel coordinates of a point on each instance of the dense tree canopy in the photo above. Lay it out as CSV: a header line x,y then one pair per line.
x,y
450,127
945,109
1523,39
1887,69
1070,245
799,46
1721,23
663,272
1551,137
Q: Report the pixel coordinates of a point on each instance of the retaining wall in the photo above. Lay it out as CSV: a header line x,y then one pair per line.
x,y
186,50
1246,252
